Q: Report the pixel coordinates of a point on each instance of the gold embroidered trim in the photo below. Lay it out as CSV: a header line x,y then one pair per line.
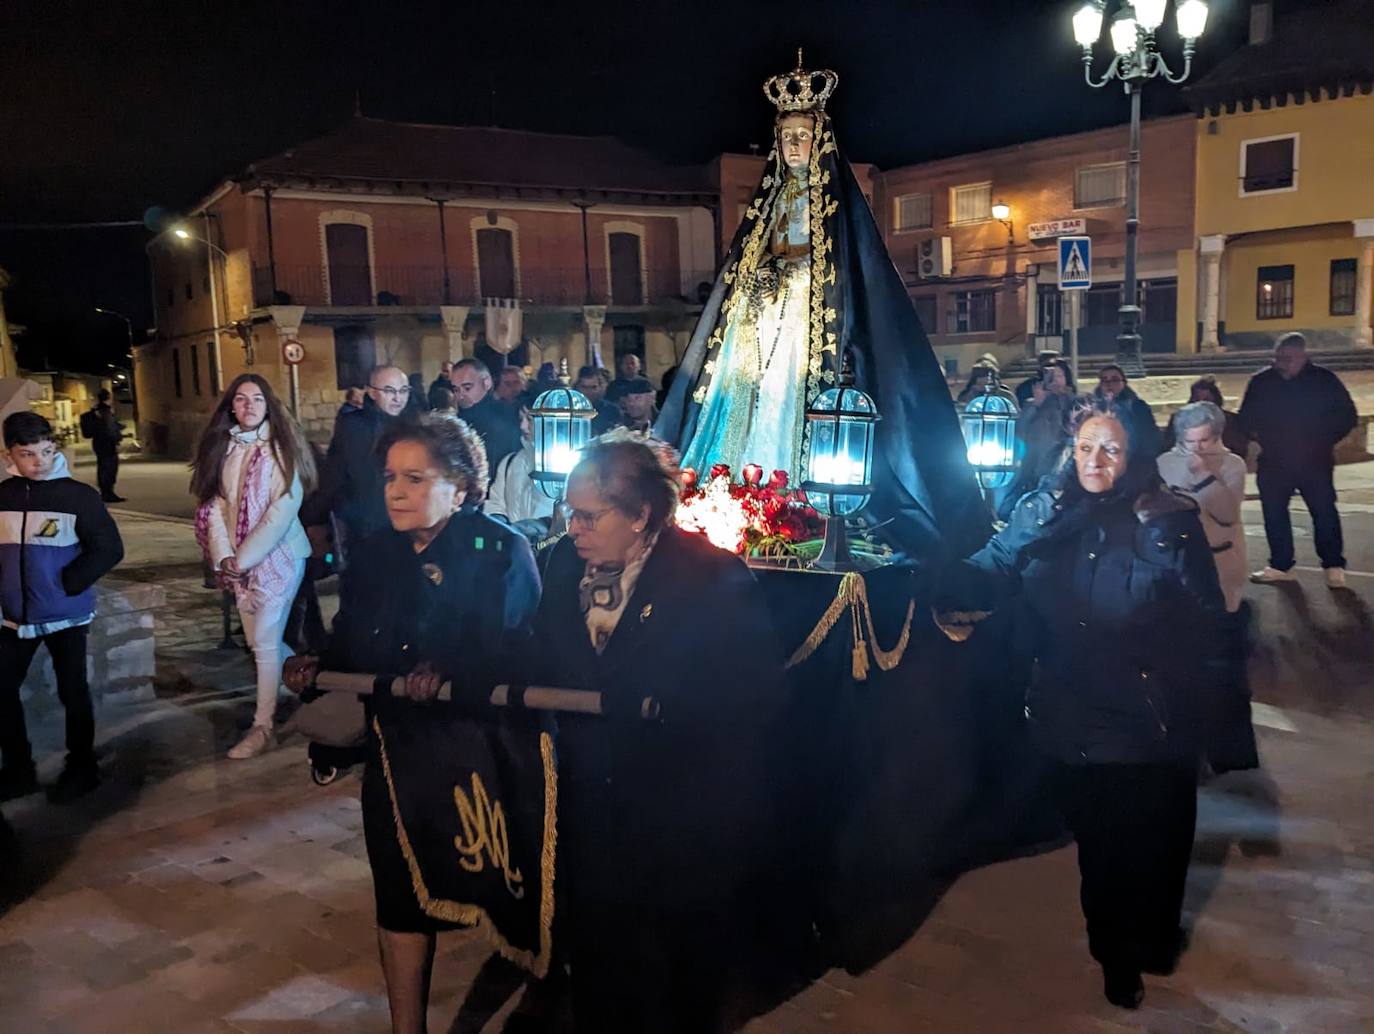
x,y
474,915
853,594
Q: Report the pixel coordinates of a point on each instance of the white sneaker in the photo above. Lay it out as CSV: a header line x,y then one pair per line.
x,y
259,740
1270,575
1335,578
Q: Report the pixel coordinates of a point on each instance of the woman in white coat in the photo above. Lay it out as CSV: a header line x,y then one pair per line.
x,y
1202,468
252,468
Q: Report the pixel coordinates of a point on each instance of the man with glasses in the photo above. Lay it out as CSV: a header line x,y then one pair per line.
x,y
351,487
494,421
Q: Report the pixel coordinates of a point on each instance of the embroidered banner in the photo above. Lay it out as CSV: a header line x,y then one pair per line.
x,y
476,808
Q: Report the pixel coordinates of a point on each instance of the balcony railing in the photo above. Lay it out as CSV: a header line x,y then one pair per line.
x,y
423,286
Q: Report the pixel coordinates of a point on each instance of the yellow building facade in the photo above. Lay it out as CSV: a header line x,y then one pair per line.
x,y
1285,203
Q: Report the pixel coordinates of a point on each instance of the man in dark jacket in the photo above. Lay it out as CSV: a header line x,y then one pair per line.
x,y
351,487
1298,412
1112,384
102,427
592,382
56,540
496,423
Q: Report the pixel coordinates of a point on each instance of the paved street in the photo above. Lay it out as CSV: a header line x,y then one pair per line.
x,y
193,894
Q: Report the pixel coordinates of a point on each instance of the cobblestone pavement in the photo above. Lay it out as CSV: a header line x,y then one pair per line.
x,y
194,894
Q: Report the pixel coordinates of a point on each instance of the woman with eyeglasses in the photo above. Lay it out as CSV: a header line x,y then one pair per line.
x,y
661,822
251,469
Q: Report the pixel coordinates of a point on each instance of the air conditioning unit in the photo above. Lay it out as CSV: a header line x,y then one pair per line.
x,y
934,258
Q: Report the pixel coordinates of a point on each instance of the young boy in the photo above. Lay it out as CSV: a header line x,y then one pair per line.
x,y
56,540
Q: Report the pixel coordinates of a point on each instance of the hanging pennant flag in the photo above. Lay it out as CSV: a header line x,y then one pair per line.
x,y
505,324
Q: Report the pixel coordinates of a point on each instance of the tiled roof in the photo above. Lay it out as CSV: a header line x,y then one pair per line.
x,y
403,157
1331,47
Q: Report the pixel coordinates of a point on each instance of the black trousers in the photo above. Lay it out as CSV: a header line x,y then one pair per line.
x,y
106,471
1317,487
1134,826
68,650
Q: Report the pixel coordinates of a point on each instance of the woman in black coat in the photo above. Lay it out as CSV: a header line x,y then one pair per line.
x,y
662,823
1119,593
445,591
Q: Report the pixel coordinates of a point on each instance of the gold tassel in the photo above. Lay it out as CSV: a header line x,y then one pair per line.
x,y
853,594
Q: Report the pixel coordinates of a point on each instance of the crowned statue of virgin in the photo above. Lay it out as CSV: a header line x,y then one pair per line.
x,y
807,282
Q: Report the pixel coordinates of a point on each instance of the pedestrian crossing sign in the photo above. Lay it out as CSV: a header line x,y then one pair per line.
x,y
1075,263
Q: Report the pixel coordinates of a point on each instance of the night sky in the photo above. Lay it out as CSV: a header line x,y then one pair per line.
x,y
111,108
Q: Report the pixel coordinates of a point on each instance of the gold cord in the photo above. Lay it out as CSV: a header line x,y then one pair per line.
x,y
853,594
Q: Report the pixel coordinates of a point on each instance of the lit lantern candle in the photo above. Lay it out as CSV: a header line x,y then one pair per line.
x,y
989,426
562,422
839,470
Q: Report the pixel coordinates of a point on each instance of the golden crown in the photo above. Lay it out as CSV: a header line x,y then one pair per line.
x,y
800,90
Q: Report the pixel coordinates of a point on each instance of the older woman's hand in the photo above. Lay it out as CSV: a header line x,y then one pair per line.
x,y
298,673
422,684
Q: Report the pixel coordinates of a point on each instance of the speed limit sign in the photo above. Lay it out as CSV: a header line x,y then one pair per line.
x,y
292,351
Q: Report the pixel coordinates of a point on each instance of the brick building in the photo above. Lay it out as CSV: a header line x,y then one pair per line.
x,y
384,242
982,286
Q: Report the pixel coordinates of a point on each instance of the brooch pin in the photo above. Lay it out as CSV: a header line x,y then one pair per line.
x,y
434,573
646,613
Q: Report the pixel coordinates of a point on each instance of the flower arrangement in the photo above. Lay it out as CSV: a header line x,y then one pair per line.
x,y
749,517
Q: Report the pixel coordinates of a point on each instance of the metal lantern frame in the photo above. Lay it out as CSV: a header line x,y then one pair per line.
x,y
830,412
561,419
988,422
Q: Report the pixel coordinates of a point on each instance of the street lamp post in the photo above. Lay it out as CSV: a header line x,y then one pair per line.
x,y
129,328
1137,60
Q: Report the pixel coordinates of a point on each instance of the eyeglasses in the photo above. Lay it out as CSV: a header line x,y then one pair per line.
x,y
586,518
390,392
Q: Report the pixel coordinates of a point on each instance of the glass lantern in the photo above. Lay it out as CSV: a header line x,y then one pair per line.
x,y
989,426
839,475
562,422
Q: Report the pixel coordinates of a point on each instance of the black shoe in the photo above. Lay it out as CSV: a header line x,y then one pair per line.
x,y
1123,987
78,778
112,498
17,781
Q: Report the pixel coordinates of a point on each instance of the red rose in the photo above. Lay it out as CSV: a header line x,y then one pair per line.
x,y
720,470
753,474
773,505
689,479
792,528
777,481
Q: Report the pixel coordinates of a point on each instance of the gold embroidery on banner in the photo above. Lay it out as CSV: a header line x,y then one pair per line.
x,y
536,962
485,836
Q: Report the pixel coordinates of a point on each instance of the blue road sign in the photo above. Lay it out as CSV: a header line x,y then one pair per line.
x,y
1075,263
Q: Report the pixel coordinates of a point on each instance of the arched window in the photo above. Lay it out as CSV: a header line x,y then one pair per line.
x,y
346,239
625,262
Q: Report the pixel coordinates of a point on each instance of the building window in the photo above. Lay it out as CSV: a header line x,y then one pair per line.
x,y
176,372
496,262
189,295
1101,305
911,212
971,203
205,284
974,311
627,268
1269,164
355,354
1159,300
926,309
212,362
1274,293
1049,311
195,369
1343,276
350,264
1100,186
171,298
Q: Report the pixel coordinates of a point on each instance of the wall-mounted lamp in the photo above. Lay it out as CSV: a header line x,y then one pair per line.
x,y
1001,211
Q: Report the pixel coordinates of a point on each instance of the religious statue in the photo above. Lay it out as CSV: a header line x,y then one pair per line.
x,y
807,281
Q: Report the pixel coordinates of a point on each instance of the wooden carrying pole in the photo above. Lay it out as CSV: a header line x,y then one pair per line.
x,y
533,698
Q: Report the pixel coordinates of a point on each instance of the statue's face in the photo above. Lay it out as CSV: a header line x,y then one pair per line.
x,y
796,133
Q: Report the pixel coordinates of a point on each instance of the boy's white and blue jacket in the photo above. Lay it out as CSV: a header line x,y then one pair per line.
x,y
56,540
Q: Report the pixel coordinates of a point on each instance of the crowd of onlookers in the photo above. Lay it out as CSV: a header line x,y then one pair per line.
x,y
1292,417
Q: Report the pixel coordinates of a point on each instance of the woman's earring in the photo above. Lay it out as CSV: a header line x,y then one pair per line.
x,y
638,528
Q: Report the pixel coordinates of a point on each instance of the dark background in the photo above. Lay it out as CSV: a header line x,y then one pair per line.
x,y
115,107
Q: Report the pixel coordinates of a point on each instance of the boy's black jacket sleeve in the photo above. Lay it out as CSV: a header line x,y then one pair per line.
x,y
101,546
